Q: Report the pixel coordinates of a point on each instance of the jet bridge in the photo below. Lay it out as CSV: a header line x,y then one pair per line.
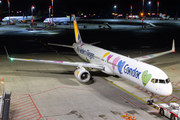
x,y
6,97
1,95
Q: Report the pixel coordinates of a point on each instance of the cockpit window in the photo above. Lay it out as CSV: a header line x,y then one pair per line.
x,y
168,80
153,80
156,80
161,81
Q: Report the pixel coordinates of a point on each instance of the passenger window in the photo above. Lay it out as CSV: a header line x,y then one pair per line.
x,y
161,81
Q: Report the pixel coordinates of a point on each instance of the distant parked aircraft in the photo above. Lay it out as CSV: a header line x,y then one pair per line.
x,y
163,17
24,19
58,20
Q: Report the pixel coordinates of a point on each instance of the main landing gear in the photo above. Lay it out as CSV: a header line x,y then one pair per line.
x,y
151,101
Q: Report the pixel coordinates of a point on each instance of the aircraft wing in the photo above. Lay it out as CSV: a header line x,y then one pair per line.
x,y
88,65
82,64
147,57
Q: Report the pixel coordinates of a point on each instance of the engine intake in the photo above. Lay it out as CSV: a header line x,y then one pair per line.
x,y
82,74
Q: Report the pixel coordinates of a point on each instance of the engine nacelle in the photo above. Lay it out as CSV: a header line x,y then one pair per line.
x,y
82,74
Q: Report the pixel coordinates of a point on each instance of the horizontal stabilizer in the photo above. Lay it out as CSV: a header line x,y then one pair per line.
x,y
61,45
95,43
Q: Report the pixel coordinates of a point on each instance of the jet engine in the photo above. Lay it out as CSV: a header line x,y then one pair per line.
x,y
82,74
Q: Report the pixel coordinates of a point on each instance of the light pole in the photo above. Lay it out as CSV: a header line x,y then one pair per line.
x,y
115,6
149,7
32,7
52,11
9,9
49,14
157,8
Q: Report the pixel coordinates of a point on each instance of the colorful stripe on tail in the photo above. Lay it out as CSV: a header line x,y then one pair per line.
x,y
76,31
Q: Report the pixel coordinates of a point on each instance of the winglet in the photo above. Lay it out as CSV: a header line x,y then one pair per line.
x,y
6,52
173,46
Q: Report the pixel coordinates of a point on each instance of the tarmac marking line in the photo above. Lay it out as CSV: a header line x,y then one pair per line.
x,y
26,116
124,90
33,117
19,102
177,83
19,97
36,107
20,110
21,113
21,107
164,97
27,107
45,91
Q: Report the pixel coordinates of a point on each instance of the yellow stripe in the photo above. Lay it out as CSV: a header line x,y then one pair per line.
x,y
124,89
77,73
106,54
76,29
27,59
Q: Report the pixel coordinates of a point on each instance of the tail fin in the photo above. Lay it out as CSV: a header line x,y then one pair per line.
x,y
76,31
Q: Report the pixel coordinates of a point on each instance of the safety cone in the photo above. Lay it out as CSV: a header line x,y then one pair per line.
x,y
173,68
2,81
133,117
130,117
127,116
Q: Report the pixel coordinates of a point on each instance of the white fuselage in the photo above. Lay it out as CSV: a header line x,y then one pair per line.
x,y
18,18
59,20
63,20
138,72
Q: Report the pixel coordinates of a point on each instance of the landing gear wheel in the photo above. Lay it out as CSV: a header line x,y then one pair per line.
x,y
149,102
161,111
172,117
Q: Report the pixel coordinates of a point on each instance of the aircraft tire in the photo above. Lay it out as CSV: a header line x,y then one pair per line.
x,y
149,102
161,111
172,117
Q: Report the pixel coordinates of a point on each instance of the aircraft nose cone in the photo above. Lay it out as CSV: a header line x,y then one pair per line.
x,y
167,90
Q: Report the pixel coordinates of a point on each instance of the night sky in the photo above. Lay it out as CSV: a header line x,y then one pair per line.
x,y
123,6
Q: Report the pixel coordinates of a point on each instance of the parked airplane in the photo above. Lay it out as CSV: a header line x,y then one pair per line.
x,y
58,20
24,19
163,17
133,69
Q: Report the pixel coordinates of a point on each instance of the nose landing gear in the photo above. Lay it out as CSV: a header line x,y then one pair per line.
x,y
151,101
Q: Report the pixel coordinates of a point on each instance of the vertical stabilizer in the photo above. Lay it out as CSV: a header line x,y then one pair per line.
x,y
76,31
